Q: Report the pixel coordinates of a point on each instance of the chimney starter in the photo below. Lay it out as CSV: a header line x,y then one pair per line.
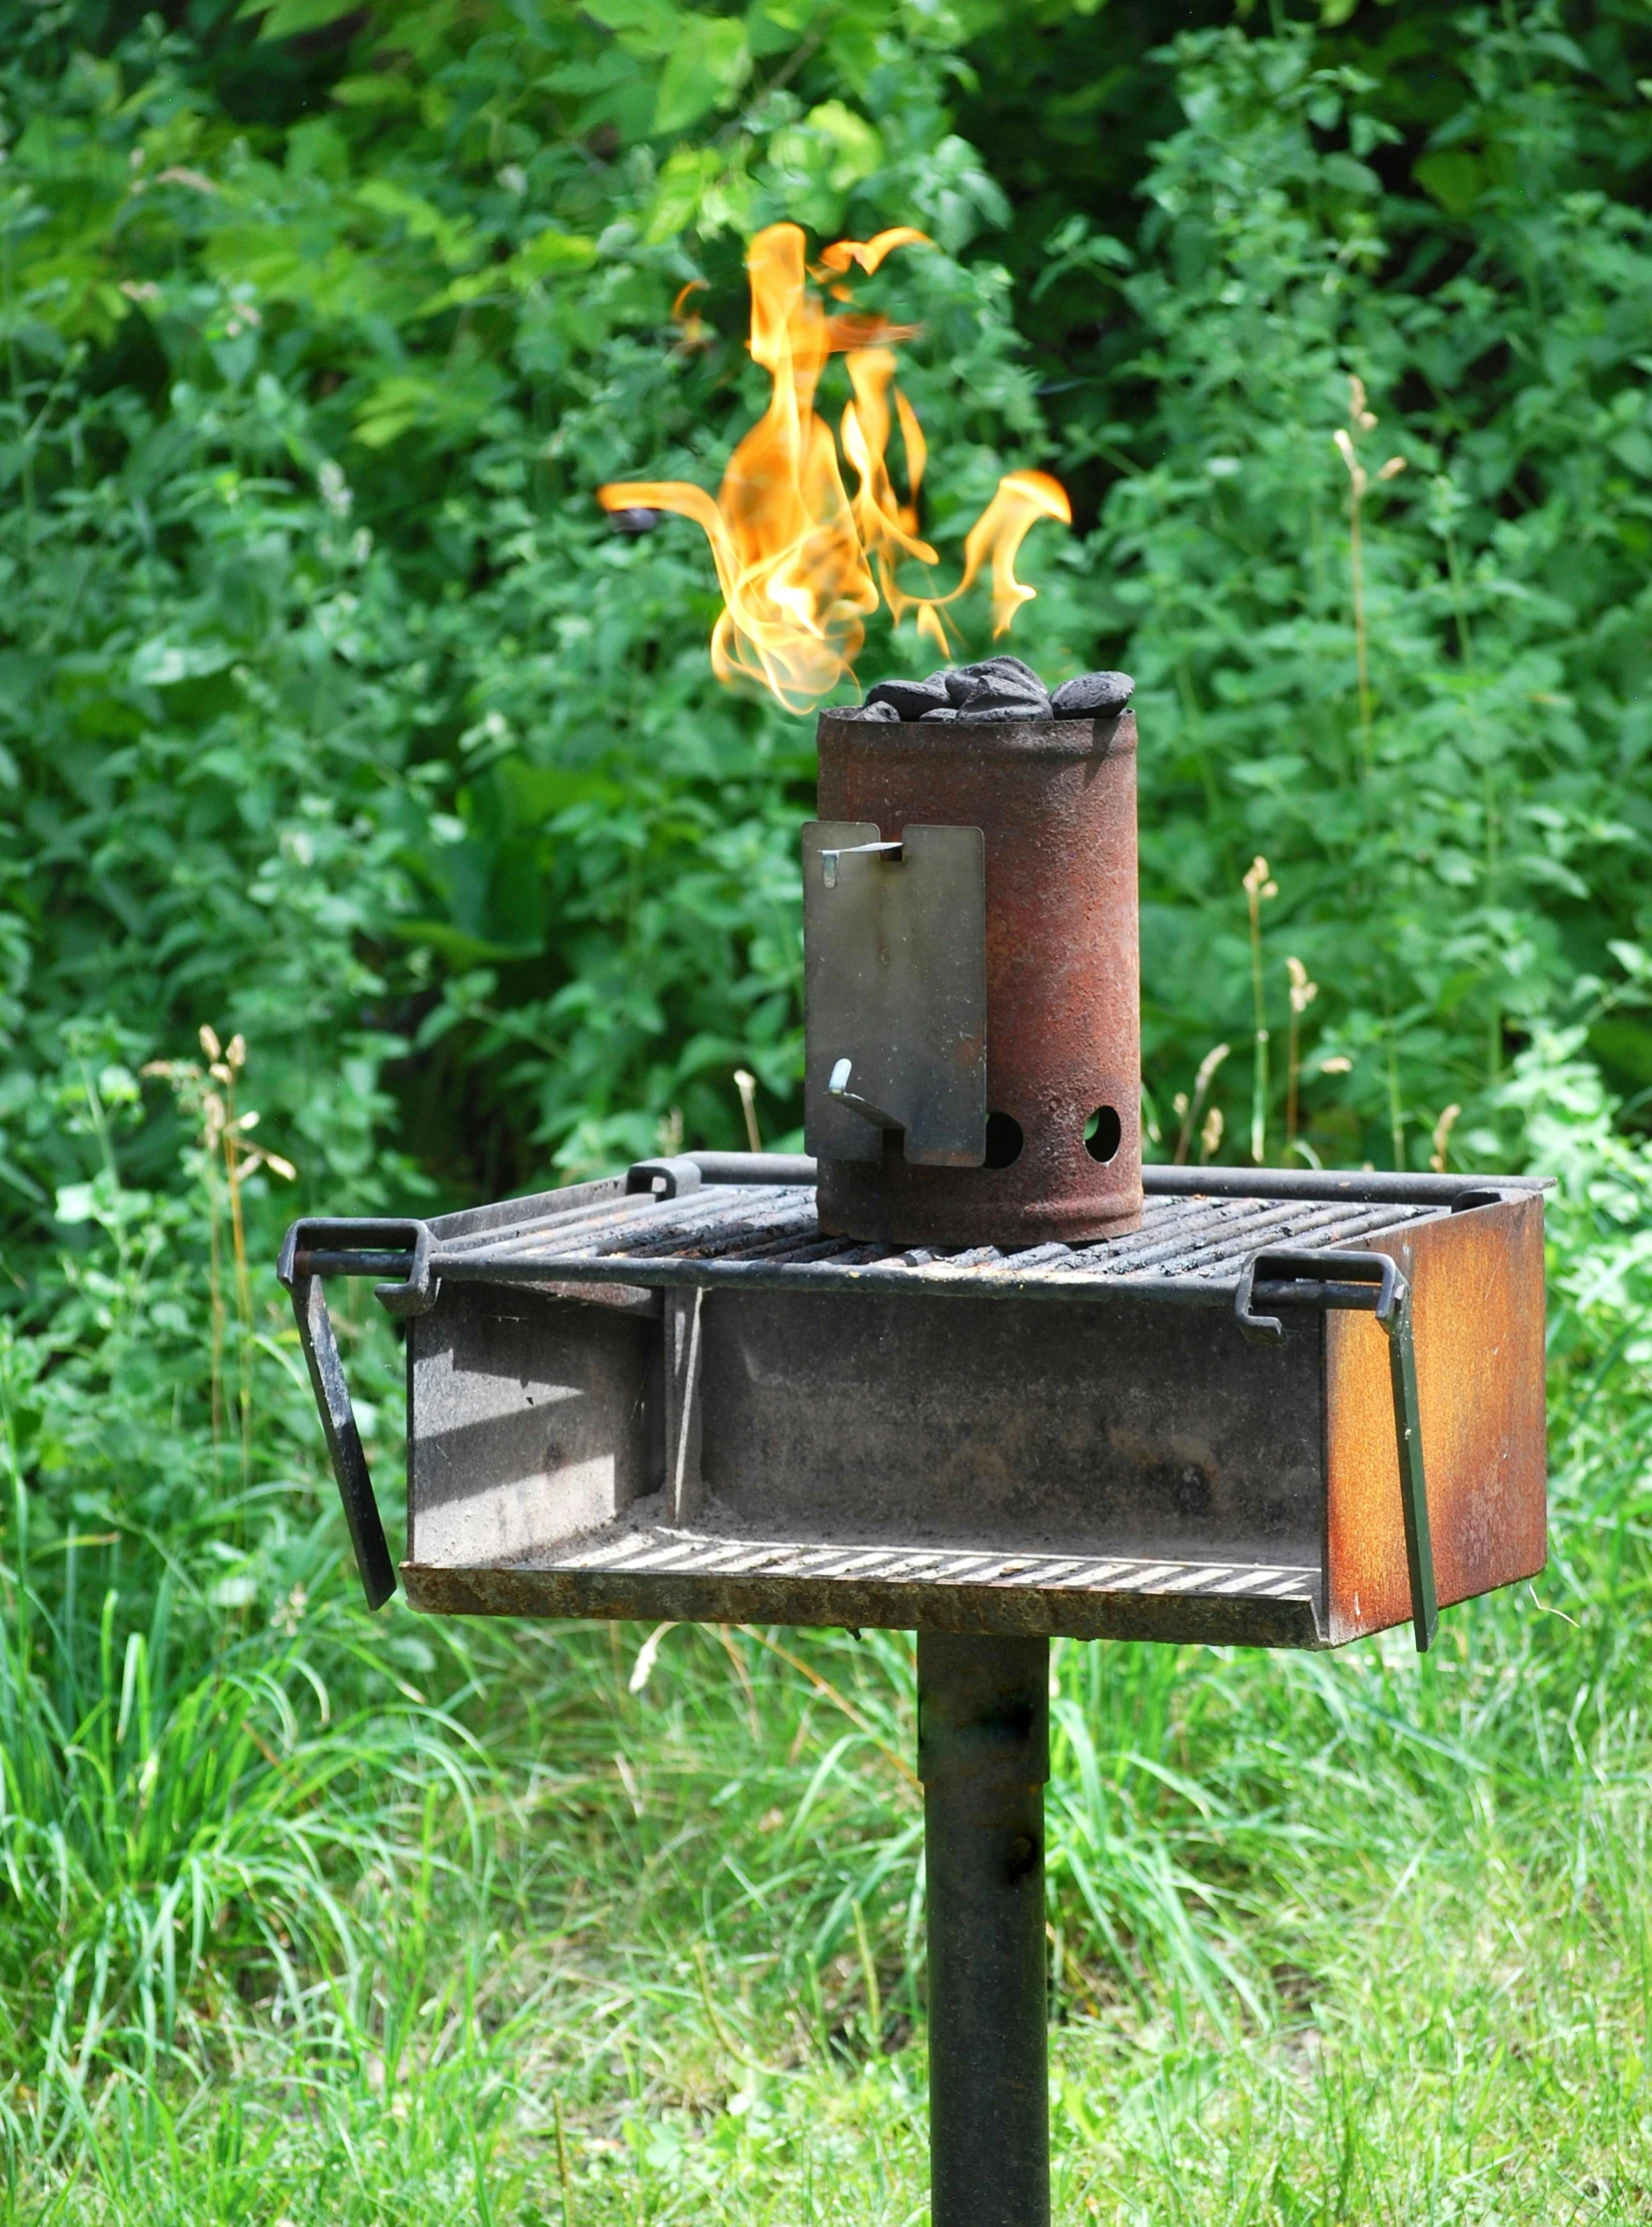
x,y
1054,1150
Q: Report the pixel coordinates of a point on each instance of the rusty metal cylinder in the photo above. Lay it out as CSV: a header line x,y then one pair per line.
x,y
1056,801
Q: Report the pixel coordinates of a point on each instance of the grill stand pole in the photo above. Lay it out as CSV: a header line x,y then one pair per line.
x,y
983,1758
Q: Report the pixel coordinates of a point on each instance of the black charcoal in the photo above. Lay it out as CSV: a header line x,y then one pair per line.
x,y
867,709
1007,699
1005,671
995,689
1092,695
1003,682
632,520
911,699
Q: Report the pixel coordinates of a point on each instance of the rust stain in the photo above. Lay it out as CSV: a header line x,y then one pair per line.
x,y
1477,1313
1056,801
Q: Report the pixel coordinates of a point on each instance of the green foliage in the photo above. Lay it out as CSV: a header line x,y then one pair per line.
x,y
333,713
1479,824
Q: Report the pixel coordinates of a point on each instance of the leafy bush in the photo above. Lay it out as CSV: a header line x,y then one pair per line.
x,y
335,714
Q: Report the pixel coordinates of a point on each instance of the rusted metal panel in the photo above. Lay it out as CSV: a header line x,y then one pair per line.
x,y
532,1420
1477,1313
1098,1428
1056,801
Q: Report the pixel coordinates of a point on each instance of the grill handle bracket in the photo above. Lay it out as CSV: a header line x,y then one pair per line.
x,y
313,1250
1368,1283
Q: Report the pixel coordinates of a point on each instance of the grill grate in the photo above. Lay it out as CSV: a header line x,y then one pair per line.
x,y
656,1549
765,1238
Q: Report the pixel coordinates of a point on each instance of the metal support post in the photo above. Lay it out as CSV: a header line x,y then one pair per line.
x,y
983,1758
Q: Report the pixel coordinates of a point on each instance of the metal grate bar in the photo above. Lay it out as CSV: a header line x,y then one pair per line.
x,y
767,1238
655,1549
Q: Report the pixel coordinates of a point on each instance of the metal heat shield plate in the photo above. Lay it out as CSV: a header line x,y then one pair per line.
x,y
894,971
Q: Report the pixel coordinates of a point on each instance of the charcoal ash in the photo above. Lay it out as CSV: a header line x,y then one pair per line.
x,y
994,689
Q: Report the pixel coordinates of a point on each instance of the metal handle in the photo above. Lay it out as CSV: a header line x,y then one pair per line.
x,y
1369,1283
670,1176
315,1248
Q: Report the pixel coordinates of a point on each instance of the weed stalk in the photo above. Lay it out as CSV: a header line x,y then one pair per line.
x,y
1257,887
1190,1108
1302,993
1360,419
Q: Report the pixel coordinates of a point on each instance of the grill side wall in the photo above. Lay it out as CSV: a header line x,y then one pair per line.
x,y
1477,1315
1095,1428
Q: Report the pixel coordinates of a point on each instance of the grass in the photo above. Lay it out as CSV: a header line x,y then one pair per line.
x,y
310,1917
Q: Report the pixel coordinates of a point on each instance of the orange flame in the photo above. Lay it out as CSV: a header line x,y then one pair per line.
x,y
800,563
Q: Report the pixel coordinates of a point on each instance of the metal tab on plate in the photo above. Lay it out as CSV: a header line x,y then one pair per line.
x,y
895,958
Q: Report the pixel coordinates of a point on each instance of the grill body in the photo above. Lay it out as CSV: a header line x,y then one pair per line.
x,y
1056,801
709,1409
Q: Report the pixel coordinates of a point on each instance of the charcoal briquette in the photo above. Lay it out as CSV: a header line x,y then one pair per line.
x,y
911,699
1092,695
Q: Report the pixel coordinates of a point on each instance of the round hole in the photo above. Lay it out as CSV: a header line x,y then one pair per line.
x,y
1103,1132
1003,1140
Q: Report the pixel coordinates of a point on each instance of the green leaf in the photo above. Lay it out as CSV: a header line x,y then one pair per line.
x,y
161,663
551,251
452,238
709,64
1625,1045
1454,178
381,89
459,945
76,1202
858,147
288,18
651,27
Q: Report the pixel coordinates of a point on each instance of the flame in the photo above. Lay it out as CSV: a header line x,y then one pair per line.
x,y
800,563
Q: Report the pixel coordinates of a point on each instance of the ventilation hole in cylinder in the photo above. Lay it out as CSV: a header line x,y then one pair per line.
x,y
1103,1132
1004,1141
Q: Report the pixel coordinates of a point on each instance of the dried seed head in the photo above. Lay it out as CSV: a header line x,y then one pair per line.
x,y
1356,471
1207,1068
236,1053
1336,1065
1392,469
1442,1138
1302,990
1211,1134
210,1044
